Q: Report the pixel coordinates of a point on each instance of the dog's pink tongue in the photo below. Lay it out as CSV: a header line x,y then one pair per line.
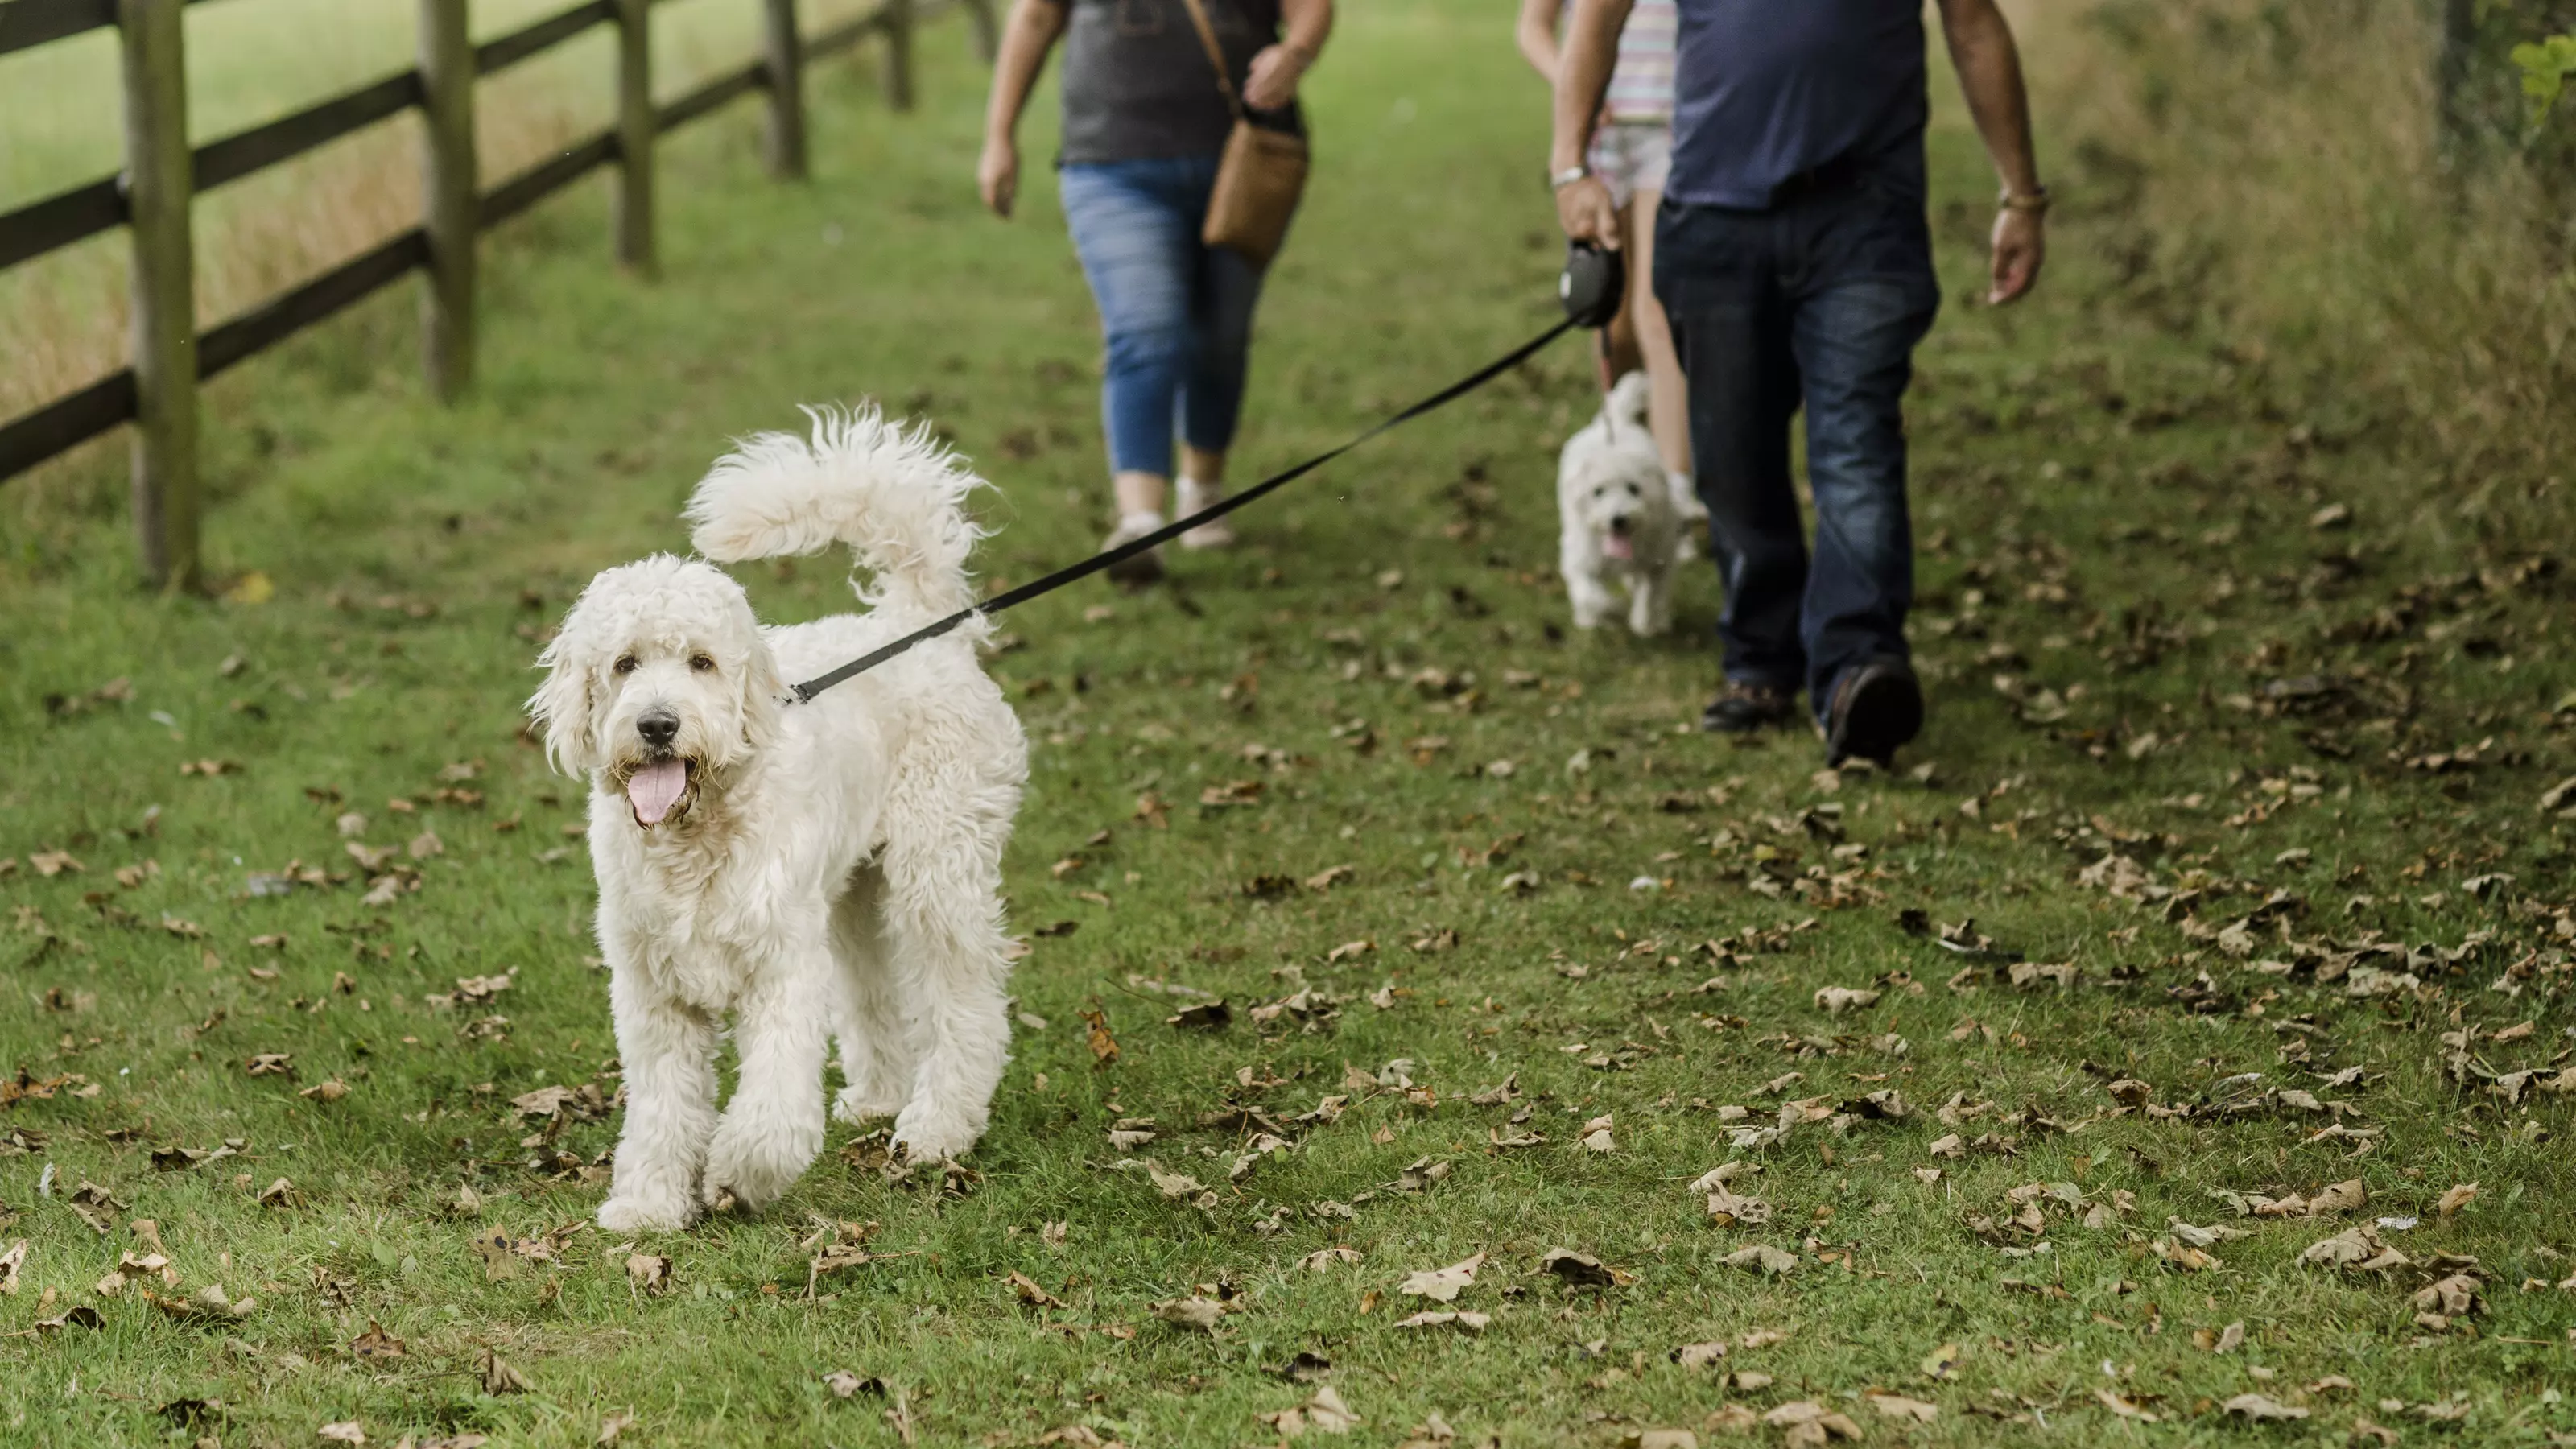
x,y
653,790
1617,545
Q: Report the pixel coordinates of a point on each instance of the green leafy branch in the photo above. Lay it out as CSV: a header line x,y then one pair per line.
x,y
2547,67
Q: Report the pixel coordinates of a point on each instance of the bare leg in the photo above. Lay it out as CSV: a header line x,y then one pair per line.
x,y
1669,412
1616,349
668,1051
774,1125
1139,492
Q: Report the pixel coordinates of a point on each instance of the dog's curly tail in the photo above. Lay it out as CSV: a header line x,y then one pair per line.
x,y
890,491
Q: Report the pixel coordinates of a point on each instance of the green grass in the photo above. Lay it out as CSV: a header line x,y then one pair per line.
x,y
2116,518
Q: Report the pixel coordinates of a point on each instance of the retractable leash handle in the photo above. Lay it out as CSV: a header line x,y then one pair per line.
x,y
1592,280
1593,285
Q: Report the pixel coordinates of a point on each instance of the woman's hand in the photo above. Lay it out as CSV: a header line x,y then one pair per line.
x,y
1272,85
997,174
1584,209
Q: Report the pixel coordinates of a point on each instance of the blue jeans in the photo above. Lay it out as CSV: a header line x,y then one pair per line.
x,y
1178,313
1818,302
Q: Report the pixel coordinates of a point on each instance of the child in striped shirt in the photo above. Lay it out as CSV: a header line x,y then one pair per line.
x,y
1631,153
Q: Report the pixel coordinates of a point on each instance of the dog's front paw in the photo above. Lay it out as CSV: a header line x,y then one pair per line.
x,y
925,1133
634,1214
756,1164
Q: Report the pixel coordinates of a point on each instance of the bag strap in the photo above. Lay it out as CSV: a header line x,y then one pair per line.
x,y
1216,56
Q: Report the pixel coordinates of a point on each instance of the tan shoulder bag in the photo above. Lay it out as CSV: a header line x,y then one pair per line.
x,y
1260,179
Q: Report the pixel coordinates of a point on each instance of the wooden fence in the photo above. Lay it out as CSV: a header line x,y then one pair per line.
x,y
163,174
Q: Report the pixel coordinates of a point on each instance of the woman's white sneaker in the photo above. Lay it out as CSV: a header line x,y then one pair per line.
x,y
1144,568
1193,496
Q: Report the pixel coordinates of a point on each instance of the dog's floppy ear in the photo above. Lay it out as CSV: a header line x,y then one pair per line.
x,y
762,696
562,706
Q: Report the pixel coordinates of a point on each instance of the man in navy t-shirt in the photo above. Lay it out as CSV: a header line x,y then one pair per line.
x,y
1794,261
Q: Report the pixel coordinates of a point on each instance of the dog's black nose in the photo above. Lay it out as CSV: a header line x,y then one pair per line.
x,y
1619,524
659,727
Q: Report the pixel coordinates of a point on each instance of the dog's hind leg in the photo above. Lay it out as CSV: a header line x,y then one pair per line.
x,y
668,1052
944,922
876,1058
774,1125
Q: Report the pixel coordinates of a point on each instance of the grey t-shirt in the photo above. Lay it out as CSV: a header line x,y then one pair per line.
x,y
1137,82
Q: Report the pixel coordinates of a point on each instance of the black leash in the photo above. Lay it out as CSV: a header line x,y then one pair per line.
x,y
1577,316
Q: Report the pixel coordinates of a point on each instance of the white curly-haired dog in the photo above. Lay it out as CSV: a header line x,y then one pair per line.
x,y
1617,520
823,868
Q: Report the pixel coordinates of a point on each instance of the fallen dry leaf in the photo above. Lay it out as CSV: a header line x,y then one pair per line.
x,y
1699,1355
2456,1198
1818,1421
2358,1247
1191,1312
1442,1285
647,1272
2123,1407
1835,1000
2260,1408
1326,1413
845,1384
499,1378
10,1262
375,1343
1104,1047
1467,1319
1898,1406
1173,1185
1323,1258
1943,1362
346,1431
1596,1135
1762,1258
1028,1292
1582,1270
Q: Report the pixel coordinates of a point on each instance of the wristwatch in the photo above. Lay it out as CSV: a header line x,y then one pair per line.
x,y
1559,180
2034,202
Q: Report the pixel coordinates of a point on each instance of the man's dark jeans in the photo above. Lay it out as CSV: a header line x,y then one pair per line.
x,y
1818,301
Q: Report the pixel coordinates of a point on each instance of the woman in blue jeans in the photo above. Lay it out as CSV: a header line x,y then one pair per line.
x,y
1145,123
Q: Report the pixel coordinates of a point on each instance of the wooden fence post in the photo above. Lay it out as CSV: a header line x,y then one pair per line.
x,y
784,51
448,193
159,184
634,206
898,53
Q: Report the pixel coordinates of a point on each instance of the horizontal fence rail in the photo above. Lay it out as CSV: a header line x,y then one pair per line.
x,y
84,211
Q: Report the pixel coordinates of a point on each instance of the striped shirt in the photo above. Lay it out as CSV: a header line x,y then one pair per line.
x,y
1641,84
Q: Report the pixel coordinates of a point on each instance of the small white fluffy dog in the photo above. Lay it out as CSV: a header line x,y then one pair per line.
x,y
823,868
1617,520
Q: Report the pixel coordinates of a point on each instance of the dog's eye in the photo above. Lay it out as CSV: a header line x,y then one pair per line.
x,y
701,663
625,664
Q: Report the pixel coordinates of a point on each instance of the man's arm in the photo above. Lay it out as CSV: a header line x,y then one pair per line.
x,y
1582,77
1027,36
1536,34
1989,66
